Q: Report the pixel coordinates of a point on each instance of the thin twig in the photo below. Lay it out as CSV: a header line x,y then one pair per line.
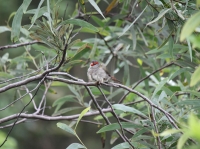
x,y
156,128
141,80
19,45
169,116
31,96
100,110
115,115
57,118
39,84
106,43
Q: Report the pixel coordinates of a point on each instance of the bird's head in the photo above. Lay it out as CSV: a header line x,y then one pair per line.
x,y
94,63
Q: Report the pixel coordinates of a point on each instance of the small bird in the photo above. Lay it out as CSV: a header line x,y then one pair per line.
x,y
97,72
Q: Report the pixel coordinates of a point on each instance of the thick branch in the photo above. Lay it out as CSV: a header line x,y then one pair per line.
x,y
51,118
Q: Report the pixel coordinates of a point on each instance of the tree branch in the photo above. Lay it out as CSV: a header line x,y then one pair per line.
x,y
115,115
19,45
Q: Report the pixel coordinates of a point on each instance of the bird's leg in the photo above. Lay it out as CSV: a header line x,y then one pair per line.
x,y
98,83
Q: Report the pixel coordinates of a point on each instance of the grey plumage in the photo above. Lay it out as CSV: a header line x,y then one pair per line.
x,y
97,73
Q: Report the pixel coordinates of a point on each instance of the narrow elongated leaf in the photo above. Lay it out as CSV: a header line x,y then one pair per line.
x,y
4,75
81,51
171,46
70,64
160,85
194,127
128,109
160,15
75,146
190,48
62,100
81,115
139,132
190,26
178,73
4,29
182,141
195,77
115,126
82,4
169,132
98,21
126,29
16,24
93,3
111,6
121,146
66,128
40,13
36,13
189,102
65,110
80,23
49,16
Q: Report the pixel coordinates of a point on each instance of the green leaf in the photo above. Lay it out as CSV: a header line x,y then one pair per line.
x,y
102,31
182,141
36,13
171,46
16,24
98,21
160,15
92,2
121,146
194,40
140,132
5,75
191,24
169,132
66,128
157,2
189,102
164,56
128,109
62,100
177,73
4,29
82,4
70,64
42,10
96,91
115,126
48,15
60,84
65,110
81,115
160,85
80,23
195,78
126,29
81,51
192,92
4,58
44,49
194,127
75,146
190,48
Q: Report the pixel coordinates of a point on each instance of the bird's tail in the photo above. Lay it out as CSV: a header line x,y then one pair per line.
x,y
115,80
